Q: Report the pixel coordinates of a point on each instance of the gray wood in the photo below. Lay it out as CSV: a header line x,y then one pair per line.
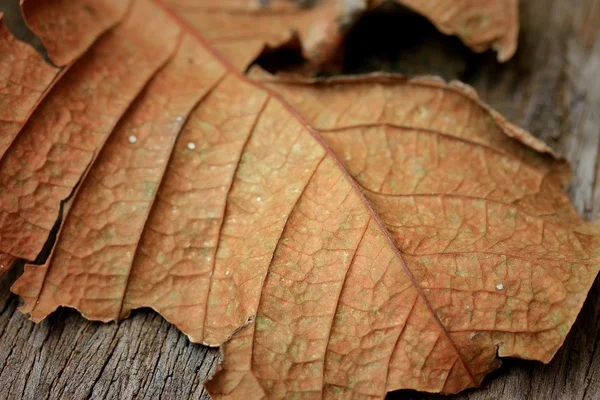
x,y
551,87
67,357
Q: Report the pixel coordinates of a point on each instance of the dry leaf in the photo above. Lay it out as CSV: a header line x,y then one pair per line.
x,y
25,77
239,29
355,236
480,24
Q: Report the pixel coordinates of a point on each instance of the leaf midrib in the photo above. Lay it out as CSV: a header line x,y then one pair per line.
x,y
317,136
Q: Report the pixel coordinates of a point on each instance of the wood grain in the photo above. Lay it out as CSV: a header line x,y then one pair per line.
x,y
550,87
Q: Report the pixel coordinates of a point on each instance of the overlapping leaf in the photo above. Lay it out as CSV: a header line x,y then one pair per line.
x,y
25,78
355,236
240,28
480,24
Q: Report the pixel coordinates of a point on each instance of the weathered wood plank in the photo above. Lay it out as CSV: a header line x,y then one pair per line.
x,y
550,88
67,357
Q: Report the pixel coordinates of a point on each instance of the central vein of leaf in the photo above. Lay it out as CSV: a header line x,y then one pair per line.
x,y
315,133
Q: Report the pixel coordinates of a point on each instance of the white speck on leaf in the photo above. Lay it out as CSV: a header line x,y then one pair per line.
x,y
499,286
191,146
132,139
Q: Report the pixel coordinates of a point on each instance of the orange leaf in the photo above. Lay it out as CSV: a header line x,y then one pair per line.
x,y
239,29
480,24
342,237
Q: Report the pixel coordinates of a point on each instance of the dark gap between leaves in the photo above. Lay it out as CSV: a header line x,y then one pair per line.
x,y
388,38
15,23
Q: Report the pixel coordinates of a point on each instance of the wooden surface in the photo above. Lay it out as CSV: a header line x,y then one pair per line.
x,y
551,87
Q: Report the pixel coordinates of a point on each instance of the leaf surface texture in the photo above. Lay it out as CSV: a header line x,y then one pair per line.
x,y
341,238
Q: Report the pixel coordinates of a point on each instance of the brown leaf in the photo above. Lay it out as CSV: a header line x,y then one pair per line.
x,y
66,29
480,24
343,238
240,29
24,76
